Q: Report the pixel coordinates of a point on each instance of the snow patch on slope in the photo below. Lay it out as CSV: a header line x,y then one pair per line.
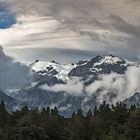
x,y
109,60
62,69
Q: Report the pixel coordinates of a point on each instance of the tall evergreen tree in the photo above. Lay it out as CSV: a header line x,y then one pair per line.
x,y
89,114
133,126
3,114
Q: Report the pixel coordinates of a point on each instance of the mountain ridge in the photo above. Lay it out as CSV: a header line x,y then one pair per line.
x,y
72,86
67,86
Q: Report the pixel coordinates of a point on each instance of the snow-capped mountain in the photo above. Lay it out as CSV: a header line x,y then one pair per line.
x,y
72,86
100,65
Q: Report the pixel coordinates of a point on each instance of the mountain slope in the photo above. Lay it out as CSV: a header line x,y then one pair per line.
x,y
135,99
5,97
82,85
100,65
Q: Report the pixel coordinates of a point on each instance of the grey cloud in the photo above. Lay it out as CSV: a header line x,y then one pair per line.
x,y
65,55
48,54
13,75
84,17
123,26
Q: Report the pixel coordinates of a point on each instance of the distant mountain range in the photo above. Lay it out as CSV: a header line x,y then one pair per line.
x,y
73,86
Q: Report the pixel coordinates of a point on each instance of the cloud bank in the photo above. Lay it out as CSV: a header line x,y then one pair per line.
x,y
92,26
124,86
13,75
110,87
72,87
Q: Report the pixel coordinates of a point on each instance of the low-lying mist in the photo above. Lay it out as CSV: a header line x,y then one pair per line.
x,y
115,86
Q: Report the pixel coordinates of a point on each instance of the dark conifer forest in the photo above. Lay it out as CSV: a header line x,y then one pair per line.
x,y
116,122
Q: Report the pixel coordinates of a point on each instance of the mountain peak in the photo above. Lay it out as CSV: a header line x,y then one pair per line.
x,y
100,65
110,59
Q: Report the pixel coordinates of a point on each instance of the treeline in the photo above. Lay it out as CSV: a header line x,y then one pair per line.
x,y
103,123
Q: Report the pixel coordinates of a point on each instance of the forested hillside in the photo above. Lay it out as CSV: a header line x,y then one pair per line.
x,y
114,122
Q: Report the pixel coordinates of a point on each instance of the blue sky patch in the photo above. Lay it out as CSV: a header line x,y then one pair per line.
x,y
7,19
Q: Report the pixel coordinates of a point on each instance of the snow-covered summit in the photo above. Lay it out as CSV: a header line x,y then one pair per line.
x,y
97,65
61,70
100,65
110,59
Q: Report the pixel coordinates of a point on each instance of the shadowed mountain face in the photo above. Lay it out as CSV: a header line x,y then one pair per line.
x,y
135,99
100,65
13,75
5,97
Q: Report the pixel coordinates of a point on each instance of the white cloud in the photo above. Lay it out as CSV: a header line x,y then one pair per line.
x,y
124,85
91,25
72,87
65,108
109,85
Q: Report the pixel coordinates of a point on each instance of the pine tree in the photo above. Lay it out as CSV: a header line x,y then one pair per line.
x,y
73,116
54,112
133,126
95,111
80,113
132,108
121,113
89,114
3,114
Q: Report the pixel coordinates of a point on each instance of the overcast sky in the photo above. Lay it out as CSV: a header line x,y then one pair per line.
x,y
70,30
